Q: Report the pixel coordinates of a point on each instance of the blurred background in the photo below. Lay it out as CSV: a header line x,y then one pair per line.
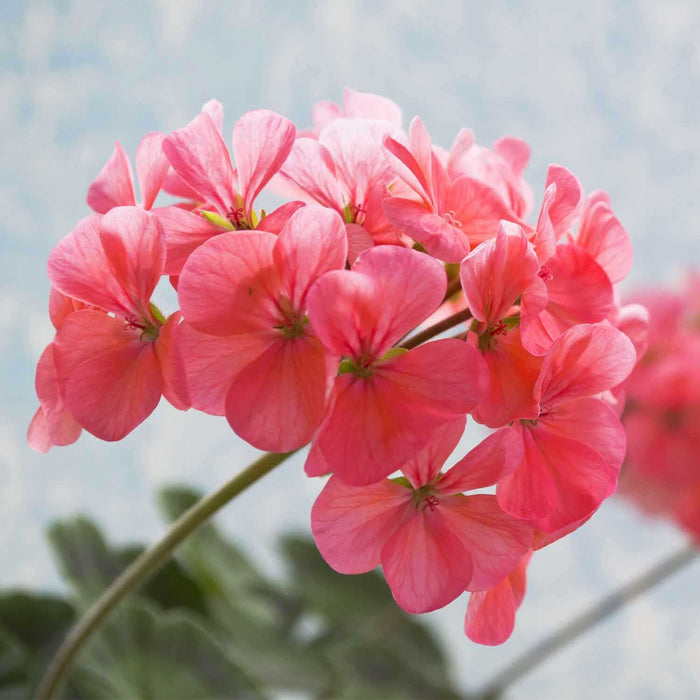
x,y
611,89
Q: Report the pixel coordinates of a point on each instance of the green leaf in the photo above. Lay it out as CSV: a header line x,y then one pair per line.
x,y
13,662
142,652
363,630
37,625
171,586
254,615
84,559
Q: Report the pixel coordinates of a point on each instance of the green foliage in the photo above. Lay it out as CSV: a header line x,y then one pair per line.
x,y
211,624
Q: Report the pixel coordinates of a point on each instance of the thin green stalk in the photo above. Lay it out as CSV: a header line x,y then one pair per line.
x,y
584,622
146,564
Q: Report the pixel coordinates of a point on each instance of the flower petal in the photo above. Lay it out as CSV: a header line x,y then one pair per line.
x,y
277,402
133,243
530,492
351,525
421,468
262,140
79,268
114,185
478,208
198,154
491,460
497,272
490,614
377,424
310,167
38,432
438,236
425,563
151,167
111,379
389,291
370,106
229,284
586,360
275,221
495,540
172,366
183,232
212,362
604,237
311,243
578,291
513,372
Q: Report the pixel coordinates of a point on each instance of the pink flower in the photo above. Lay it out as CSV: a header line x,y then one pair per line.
x,y
249,350
386,402
449,213
560,208
114,363
662,416
432,542
574,449
346,169
501,168
262,141
578,291
114,185
356,105
495,275
604,238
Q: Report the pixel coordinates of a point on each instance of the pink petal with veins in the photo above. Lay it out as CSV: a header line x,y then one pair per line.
x,y
198,154
111,379
351,524
376,424
369,106
151,167
312,243
425,563
586,360
229,284
114,185
287,385
427,463
497,272
262,140
603,236
495,540
212,363
183,232
132,240
388,292
491,460
578,292
79,268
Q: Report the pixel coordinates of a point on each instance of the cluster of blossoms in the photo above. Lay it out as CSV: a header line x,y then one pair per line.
x,y
662,412
309,324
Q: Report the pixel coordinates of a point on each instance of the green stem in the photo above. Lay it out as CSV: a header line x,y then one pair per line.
x,y
581,624
146,564
436,329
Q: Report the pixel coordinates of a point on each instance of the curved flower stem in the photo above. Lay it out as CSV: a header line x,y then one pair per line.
x,y
436,329
581,624
146,564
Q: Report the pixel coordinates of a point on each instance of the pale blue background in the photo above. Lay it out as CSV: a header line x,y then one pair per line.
x,y
610,89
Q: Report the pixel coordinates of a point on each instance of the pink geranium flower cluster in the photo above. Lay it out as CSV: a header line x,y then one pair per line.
x,y
304,325
662,413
